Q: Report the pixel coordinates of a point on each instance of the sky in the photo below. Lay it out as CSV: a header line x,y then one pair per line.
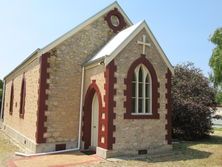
x,y
182,28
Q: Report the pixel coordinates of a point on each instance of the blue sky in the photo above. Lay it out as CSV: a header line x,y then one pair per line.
x,y
181,27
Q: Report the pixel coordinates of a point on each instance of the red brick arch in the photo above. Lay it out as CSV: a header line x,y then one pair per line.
x,y
155,94
87,108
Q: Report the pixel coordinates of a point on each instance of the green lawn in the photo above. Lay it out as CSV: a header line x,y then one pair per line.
x,y
204,153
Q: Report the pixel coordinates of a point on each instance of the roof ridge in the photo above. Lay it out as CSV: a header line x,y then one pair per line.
x,y
117,43
83,24
101,54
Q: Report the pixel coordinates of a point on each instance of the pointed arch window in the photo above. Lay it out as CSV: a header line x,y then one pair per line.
x,y
22,98
141,91
11,99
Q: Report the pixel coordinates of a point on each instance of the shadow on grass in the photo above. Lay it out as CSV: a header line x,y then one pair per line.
x,y
212,139
182,151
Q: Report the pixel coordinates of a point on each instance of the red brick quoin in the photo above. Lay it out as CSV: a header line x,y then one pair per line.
x,y
42,107
110,91
87,108
155,94
107,122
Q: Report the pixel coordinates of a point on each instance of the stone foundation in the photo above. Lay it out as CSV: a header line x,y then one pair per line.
x,y
104,153
29,146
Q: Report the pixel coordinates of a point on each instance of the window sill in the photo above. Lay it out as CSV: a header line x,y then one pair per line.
x,y
141,113
21,116
141,116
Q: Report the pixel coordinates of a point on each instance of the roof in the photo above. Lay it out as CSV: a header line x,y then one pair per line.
x,y
117,43
85,23
39,52
32,55
114,43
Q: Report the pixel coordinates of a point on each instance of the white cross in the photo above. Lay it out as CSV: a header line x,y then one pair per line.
x,y
144,43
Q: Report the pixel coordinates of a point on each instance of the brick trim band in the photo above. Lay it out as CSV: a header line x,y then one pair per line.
x,y
155,86
87,108
42,107
168,126
110,91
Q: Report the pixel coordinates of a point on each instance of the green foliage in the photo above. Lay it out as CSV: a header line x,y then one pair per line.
x,y
192,97
1,84
216,58
219,97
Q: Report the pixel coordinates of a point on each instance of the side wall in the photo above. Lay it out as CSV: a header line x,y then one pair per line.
x,y
132,135
23,129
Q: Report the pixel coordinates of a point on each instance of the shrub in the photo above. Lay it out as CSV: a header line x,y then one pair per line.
x,y
219,97
193,101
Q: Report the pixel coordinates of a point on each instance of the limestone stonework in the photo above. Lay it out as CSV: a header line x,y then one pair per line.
x,y
95,73
141,133
65,80
62,78
14,125
93,85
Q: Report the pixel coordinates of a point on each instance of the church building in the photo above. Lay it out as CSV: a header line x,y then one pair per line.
x,y
105,86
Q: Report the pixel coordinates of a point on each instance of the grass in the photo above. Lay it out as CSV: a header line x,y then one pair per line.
x,y
217,129
204,153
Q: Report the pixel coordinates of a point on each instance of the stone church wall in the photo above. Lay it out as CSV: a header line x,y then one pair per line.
x,y
65,80
95,73
58,126
132,135
23,129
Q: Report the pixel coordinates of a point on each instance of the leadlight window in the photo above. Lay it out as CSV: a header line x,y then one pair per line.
x,y
141,91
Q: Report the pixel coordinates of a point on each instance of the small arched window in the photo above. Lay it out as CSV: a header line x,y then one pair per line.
x,y
22,99
11,99
141,91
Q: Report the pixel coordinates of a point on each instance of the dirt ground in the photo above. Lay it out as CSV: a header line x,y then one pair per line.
x,y
7,149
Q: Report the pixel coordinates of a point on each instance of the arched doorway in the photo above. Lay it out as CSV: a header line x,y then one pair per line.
x,y
91,117
94,122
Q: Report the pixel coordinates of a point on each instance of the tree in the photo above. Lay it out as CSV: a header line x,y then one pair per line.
x,y
1,84
219,97
193,101
216,58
